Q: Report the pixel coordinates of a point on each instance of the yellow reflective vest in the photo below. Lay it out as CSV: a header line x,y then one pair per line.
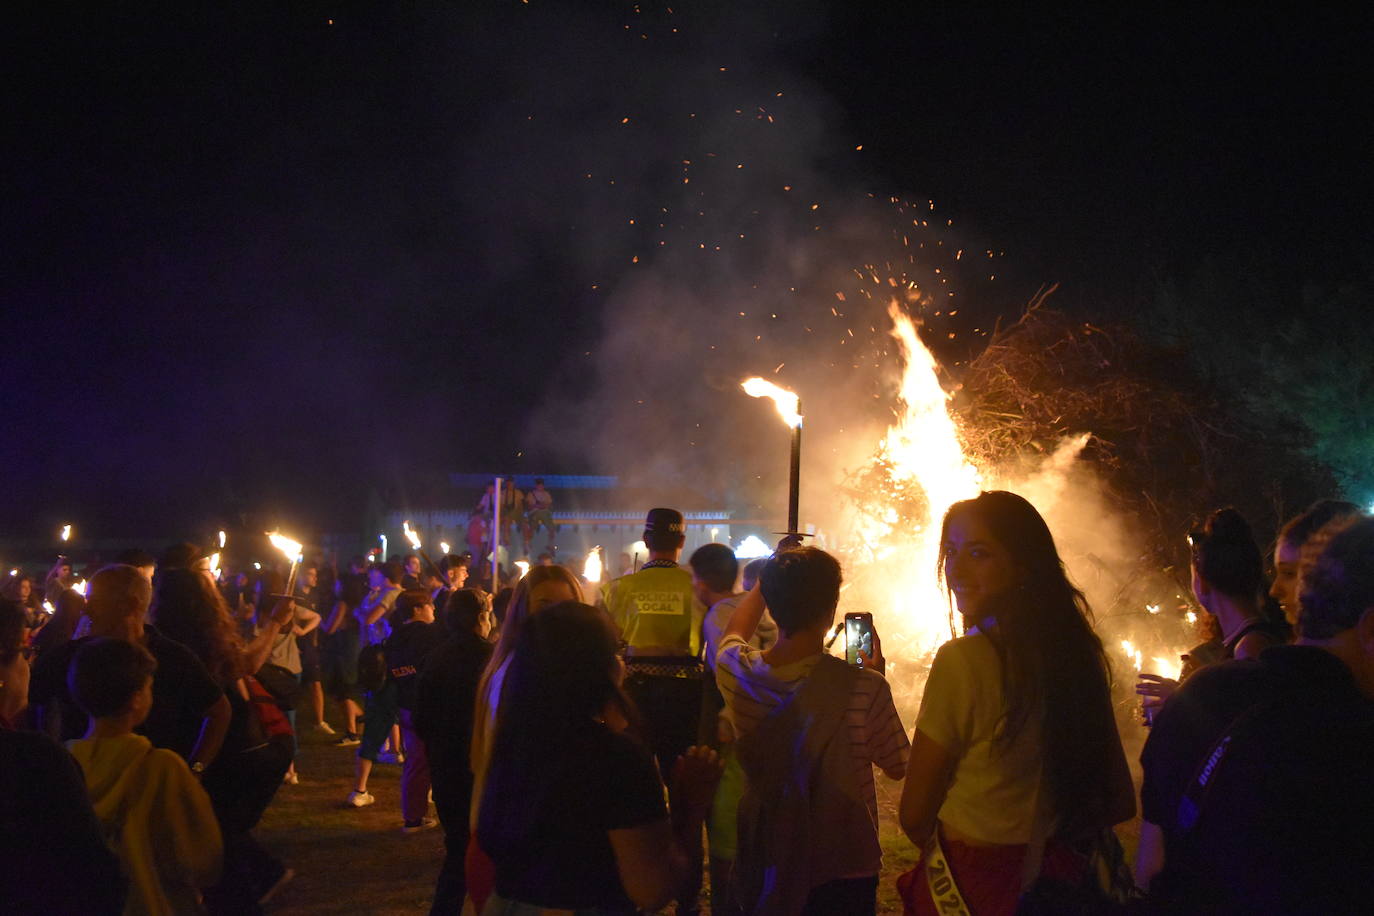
x,y
656,607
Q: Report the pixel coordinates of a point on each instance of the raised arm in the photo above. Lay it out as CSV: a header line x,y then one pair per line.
x,y
745,619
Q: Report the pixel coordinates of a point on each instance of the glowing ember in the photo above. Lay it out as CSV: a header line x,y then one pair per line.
x,y
785,401
591,569
411,535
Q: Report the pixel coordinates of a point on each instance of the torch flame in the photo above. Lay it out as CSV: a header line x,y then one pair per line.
x,y
48,608
524,567
80,586
221,540
291,549
591,570
1132,653
411,535
214,564
785,401
66,533
444,548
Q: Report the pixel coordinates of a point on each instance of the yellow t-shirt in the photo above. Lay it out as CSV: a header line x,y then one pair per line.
x,y
992,797
159,817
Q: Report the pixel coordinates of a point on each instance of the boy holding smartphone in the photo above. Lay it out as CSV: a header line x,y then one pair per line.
x,y
810,816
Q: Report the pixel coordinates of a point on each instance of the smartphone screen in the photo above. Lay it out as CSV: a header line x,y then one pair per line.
x,y
858,636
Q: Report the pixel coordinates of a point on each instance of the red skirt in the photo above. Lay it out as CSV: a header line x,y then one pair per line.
x,y
988,877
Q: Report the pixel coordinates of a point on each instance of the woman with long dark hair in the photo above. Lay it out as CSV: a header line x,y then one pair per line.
x,y
1016,757
245,776
543,587
573,812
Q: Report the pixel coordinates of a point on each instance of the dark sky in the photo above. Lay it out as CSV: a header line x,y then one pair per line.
x,y
255,260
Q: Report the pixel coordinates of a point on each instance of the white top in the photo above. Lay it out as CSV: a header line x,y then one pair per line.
x,y
719,616
993,794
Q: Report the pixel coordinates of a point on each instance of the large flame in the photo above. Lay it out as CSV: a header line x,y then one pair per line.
x,y
919,470
591,569
66,534
785,401
923,471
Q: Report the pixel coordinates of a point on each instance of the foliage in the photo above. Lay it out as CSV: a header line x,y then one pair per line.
x,y
1169,444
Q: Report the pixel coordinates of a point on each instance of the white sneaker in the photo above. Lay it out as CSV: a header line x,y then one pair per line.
x,y
324,728
360,799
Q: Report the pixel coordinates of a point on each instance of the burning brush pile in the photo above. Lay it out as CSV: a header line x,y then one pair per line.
x,y
1043,411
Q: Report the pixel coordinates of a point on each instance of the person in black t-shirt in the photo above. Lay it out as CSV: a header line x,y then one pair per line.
x,y
190,713
1227,578
573,814
406,651
1256,773
442,716
341,645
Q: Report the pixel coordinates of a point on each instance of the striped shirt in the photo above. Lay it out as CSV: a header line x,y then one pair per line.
x,y
752,689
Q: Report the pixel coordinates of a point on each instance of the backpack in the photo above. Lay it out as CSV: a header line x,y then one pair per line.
x,y
801,807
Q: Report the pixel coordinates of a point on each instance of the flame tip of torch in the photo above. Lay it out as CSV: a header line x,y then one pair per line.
x,y
788,404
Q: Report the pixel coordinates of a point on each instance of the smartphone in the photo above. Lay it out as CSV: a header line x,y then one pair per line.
x,y
858,637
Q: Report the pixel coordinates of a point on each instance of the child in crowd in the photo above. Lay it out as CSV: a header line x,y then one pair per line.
x,y
153,810
808,731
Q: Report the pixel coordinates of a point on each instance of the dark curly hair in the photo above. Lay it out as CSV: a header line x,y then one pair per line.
x,y
188,608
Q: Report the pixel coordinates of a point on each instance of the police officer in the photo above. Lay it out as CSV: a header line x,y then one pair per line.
x,y
660,620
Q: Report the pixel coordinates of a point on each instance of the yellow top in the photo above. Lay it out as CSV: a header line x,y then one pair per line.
x,y
992,797
156,817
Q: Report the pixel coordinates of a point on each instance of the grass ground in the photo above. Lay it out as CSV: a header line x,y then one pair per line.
x,y
355,860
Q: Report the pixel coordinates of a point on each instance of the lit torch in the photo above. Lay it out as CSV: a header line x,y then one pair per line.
x,y
413,537
591,570
444,548
66,534
292,551
789,408
221,540
524,566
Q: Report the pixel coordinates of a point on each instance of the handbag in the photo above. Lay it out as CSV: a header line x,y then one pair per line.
x,y
1105,885
283,685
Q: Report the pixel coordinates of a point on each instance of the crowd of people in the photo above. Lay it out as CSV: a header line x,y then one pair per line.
x,y
592,749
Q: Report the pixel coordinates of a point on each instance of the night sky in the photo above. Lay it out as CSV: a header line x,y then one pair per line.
x,y
270,257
